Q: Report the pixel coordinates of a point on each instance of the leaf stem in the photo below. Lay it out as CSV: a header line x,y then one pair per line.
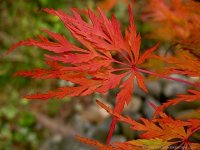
x,y
119,69
116,61
167,77
195,130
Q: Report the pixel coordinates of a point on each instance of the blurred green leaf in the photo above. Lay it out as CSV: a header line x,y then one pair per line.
x,y
26,119
9,112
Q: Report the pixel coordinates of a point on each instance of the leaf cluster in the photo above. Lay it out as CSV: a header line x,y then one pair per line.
x,y
93,67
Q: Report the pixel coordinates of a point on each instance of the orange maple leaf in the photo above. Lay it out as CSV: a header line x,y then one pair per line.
x,y
164,128
193,95
175,21
183,63
151,144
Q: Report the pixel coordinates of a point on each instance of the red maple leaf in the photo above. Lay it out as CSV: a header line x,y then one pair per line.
x,y
91,67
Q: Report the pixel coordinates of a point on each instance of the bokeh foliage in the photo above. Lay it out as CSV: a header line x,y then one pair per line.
x,y
20,20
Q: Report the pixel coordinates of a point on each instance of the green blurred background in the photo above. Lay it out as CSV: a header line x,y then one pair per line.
x,y
22,123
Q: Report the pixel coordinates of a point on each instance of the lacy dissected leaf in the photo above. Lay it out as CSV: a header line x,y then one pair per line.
x,y
193,95
93,143
175,20
183,63
92,66
164,127
150,144
141,144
